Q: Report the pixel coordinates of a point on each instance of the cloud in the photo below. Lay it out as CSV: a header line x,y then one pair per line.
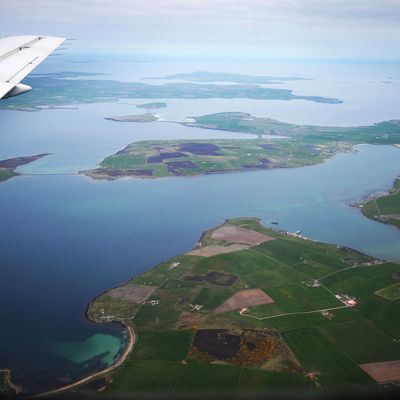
x,y
222,21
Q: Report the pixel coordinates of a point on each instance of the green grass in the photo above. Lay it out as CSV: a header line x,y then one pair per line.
x,y
211,298
316,353
162,345
207,378
111,306
388,320
389,204
362,282
260,383
383,207
162,316
166,378
362,341
151,377
391,292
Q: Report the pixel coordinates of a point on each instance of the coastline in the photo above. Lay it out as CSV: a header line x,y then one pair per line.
x,y
92,174
89,378
203,241
118,363
373,197
9,384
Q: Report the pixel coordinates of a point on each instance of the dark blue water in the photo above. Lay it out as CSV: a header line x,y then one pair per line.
x,y
64,239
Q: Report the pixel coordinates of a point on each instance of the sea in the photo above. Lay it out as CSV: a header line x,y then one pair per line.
x,y
66,238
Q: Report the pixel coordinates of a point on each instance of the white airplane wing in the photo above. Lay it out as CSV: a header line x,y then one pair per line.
x,y
19,55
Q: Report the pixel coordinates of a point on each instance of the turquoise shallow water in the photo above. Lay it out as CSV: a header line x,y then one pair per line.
x,y
67,238
107,346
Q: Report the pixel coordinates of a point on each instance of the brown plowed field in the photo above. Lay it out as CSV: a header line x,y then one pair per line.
x,y
383,372
238,235
244,298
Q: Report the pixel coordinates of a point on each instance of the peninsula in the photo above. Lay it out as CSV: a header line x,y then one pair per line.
x,y
384,208
254,311
147,117
153,106
8,166
386,132
303,145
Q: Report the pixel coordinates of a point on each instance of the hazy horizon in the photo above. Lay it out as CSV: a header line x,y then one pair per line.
x,y
333,29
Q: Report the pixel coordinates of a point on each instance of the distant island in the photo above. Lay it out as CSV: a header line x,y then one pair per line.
x,y
384,208
8,166
154,106
57,89
304,145
204,76
255,311
147,117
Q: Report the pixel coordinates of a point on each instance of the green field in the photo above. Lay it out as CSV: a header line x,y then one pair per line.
x,y
157,366
385,208
304,145
335,371
353,337
391,292
328,347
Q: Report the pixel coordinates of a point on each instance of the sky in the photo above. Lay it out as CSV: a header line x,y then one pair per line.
x,y
264,28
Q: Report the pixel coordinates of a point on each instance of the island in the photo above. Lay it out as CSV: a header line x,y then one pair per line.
x,y
384,208
153,106
253,311
58,89
147,117
204,76
302,145
386,132
8,166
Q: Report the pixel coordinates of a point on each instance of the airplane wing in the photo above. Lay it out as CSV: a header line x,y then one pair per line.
x,y
19,55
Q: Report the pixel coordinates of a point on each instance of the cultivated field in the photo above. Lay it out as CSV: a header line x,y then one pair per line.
x,y
244,299
383,372
201,318
239,235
